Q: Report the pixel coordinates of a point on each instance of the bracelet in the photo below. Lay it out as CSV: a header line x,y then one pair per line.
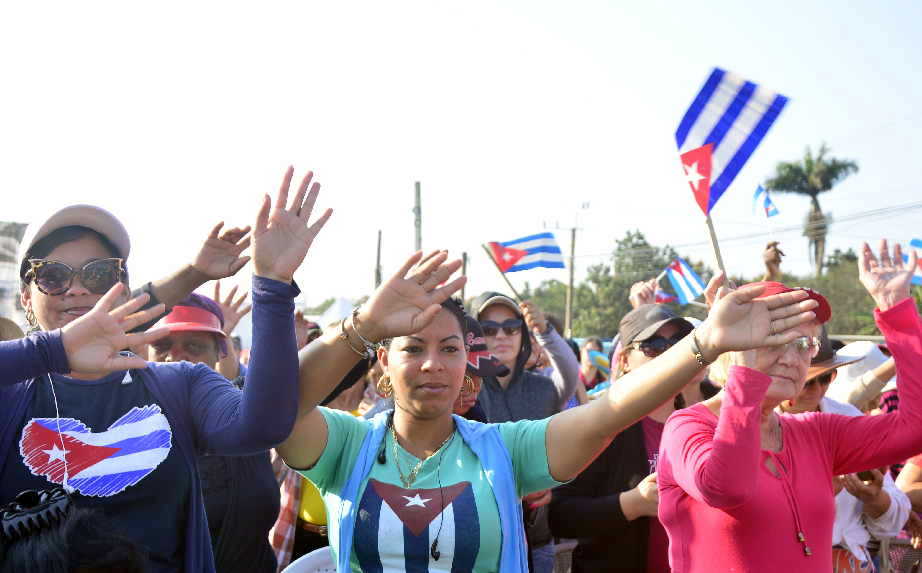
x,y
696,349
344,336
355,328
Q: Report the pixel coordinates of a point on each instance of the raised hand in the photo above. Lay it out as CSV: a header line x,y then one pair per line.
x,y
534,317
739,322
232,309
93,341
715,289
886,278
219,256
409,300
643,292
282,235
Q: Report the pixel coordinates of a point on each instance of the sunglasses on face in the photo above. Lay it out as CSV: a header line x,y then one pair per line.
x,y
55,278
511,327
653,347
805,346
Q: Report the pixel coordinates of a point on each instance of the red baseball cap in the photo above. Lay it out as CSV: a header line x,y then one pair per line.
x,y
192,319
823,311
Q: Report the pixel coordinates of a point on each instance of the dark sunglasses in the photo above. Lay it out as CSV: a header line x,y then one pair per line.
x,y
54,278
510,327
653,347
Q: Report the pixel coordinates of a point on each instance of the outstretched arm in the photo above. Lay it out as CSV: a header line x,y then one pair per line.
x,y
737,322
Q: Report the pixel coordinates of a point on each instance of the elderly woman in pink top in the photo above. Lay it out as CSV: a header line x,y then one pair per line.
x,y
743,488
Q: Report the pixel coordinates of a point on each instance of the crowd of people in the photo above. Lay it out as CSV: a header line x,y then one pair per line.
x,y
420,433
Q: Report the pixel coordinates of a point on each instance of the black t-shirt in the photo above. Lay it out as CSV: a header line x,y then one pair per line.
x,y
120,459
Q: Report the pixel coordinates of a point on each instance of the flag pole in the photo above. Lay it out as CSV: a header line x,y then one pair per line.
x,y
518,297
715,246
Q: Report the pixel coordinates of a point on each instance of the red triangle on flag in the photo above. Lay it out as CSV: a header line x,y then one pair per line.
x,y
697,166
505,257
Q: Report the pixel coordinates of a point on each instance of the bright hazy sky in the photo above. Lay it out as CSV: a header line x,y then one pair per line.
x,y
175,115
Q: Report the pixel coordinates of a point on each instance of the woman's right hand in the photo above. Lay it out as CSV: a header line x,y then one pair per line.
x,y
93,341
410,299
738,321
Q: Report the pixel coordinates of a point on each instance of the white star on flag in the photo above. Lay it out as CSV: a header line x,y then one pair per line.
x,y
55,453
692,174
416,500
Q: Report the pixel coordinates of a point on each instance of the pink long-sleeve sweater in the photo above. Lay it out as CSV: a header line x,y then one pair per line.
x,y
725,511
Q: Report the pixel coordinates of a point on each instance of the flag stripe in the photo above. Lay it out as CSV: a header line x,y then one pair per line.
x,y
550,249
108,484
115,434
746,122
365,537
732,112
157,439
467,532
694,111
416,550
536,264
745,150
680,287
713,111
917,243
145,460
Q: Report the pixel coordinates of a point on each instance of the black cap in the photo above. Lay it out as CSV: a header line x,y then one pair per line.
x,y
643,322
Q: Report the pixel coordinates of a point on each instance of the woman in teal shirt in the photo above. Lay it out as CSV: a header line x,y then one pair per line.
x,y
421,489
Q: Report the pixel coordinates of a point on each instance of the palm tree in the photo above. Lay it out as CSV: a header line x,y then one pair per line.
x,y
811,176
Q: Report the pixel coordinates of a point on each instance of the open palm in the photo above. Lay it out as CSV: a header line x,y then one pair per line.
x,y
282,235
410,299
219,257
93,342
887,279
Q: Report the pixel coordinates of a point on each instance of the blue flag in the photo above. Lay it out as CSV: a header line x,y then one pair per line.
x,y
761,201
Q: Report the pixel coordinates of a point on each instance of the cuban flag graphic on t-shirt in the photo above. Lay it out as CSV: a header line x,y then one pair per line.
x,y
396,527
98,464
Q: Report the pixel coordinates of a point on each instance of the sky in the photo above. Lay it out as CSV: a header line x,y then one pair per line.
x,y
512,115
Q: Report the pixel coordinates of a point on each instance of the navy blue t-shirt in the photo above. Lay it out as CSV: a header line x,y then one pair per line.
x,y
120,458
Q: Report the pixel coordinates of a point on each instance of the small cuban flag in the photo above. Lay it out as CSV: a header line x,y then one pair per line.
x,y
762,201
917,272
529,252
685,281
663,297
720,130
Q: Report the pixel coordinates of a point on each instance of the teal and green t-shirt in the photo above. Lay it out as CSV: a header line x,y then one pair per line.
x,y
450,500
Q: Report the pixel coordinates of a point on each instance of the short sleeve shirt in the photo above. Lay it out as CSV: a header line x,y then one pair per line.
x,y
450,499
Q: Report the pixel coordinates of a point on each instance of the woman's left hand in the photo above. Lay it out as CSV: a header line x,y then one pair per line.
x,y
281,235
886,278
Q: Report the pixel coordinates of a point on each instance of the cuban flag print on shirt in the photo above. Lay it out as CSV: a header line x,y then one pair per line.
x,y
529,252
686,282
722,127
97,464
396,527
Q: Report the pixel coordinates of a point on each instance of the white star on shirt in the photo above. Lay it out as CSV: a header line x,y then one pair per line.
x,y
55,454
415,500
692,174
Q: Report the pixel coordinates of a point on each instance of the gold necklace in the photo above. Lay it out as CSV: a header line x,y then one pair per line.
x,y
411,477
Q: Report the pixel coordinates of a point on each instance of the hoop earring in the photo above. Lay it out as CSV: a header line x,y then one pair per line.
x,y
33,323
468,384
384,388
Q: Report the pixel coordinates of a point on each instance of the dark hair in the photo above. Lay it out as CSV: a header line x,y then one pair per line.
x,y
83,541
58,237
595,340
452,305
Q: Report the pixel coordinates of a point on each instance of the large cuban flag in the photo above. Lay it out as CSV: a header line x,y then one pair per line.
x,y
97,464
529,252
724,124
396,528
686,282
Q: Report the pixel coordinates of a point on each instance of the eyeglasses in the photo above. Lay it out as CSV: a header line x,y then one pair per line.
x,y
805,345
653,347
55,278
511,327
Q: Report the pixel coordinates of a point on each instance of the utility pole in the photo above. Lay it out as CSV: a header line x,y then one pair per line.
x,y
418,212
568,318
463,272
378,262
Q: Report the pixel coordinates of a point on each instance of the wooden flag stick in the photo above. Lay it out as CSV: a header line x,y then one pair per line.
x,y
715,246
518,297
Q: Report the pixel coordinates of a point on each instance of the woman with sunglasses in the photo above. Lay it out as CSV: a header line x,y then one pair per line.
x,y
868,503
420,489
611,506
743,488
126,442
